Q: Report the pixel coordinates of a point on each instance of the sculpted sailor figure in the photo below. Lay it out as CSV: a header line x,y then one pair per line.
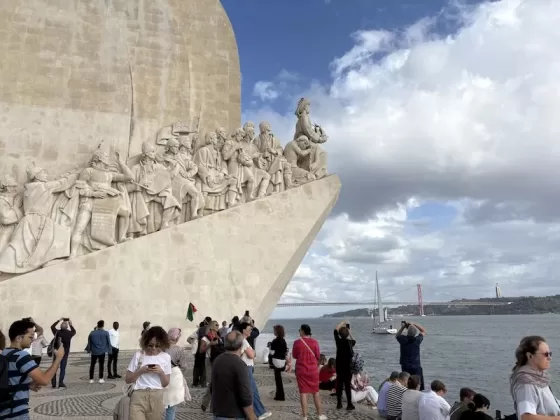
x,y
262,177
150,192
101,205
37,238
239,167
183,170
273,155
11,211
294,152
213,174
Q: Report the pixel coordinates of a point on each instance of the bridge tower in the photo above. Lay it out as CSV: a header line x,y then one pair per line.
x,y
420,300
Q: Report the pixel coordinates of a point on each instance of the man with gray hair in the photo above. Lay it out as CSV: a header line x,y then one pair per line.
x,y
410,349
232,395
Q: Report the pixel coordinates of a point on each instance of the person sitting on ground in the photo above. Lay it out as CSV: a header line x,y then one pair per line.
x,y
465,397
322,361
394,396
327,377
432,405
383,389
477,409
23,372
410,399
361,389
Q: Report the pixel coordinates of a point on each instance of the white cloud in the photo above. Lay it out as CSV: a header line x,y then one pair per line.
x,y
266,91
469,119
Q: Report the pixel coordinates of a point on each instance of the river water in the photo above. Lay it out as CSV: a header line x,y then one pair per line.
x,y
473,351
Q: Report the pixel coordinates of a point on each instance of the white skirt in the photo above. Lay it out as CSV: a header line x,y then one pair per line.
x,y
177,391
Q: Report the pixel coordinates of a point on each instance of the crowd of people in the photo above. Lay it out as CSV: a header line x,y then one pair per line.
x,y
224,365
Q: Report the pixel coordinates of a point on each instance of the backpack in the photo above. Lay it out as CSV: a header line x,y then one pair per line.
x,y
6,394
216,350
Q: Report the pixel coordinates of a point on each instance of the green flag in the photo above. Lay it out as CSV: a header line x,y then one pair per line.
x,y
190,312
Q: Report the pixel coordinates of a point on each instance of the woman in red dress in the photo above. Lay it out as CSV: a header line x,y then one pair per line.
x,y
306,352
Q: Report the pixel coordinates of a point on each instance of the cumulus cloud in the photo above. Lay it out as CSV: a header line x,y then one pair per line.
x,y
468,118
266,91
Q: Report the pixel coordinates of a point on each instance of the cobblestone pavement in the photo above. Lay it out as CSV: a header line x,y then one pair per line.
x,y
85,401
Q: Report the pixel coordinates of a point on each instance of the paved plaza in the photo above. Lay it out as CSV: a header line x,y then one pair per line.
x,y
82,400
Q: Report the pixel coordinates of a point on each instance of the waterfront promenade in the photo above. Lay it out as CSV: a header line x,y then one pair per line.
x,y
85,401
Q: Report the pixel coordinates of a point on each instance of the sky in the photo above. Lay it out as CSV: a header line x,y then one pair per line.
x,y
443,128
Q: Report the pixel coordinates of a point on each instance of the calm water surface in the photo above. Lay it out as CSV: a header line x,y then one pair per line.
x,y
473,351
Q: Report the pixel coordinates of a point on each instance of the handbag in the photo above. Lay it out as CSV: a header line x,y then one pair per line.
x,y
309,348
279,363
50,347
122,408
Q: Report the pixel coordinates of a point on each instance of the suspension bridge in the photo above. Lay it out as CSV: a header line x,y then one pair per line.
x,y
420,302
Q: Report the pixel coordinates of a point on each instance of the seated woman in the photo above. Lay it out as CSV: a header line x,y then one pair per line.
x,y
477,409
327,377
361,390
322,361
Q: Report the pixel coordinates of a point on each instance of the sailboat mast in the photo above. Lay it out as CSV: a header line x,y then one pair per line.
x,y
379,303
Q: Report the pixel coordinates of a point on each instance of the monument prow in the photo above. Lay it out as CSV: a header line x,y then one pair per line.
x,y
225,263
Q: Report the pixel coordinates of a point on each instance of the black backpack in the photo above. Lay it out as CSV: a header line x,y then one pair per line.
x,y
6,393
216,350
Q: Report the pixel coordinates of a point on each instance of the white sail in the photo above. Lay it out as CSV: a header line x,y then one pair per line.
x,y
386,314
381,312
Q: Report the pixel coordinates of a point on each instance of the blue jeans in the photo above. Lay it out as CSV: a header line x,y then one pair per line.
x,y
257,403
170,413
63,363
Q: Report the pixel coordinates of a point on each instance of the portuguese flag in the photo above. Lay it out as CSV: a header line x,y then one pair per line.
x,y
190,312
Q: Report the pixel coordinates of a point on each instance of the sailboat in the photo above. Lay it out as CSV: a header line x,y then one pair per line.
x,y
380,327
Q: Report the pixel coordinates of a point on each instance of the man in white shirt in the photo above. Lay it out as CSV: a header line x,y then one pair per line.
x,y
432,406
114,337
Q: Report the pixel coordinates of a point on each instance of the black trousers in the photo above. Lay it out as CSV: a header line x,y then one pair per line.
x,y
112,362
343,381
415,370
199,369
327,386
95,359
279,384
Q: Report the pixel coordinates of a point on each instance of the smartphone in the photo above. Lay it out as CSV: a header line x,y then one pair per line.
x,y
151,366
347,325
498,415
66,319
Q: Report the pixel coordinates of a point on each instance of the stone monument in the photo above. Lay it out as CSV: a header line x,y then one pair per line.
x,y
117,207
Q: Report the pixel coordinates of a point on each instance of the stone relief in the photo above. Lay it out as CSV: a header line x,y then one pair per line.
x,y
109,201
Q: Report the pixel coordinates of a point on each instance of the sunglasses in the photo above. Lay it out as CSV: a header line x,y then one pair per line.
x,y
546,354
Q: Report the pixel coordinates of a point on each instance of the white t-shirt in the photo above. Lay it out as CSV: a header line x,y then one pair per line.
x,y
207,341
248,362
150,380
432,407
114,338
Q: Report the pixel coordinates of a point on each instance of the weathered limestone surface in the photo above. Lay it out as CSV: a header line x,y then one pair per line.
x,y
240,258
74,73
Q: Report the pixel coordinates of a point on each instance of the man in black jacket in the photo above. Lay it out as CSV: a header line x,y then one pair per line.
x,y
344,353
65,333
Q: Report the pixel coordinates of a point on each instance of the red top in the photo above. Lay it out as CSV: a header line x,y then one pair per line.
x,y
326,373
306,352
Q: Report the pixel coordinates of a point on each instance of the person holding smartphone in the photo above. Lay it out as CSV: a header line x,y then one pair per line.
x,y
150,372
63,335
344,352
410,349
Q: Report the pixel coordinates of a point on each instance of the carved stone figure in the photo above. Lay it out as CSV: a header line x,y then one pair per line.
x,y
183,170
10,209
222,137
213,174
152,203
294,152
262,177
273,155
239,167
175,130
102,205
316,134
37,239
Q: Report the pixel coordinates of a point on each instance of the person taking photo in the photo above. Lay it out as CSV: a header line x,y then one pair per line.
x,y
410,349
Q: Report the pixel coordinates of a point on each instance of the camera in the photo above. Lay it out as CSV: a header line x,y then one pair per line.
x,y
348,326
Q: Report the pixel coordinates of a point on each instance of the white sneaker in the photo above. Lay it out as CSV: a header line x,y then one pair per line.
x,y
322,417
102,381
265,415
91,381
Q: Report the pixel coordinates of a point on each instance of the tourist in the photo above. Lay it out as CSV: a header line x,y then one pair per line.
x,y
478,408
234,326
177,389
410,399
65,333
114,337
246,318
344,352
248,356
465,397
199,368
382,390
209,341
150,372
232,394
279,357
432,405
254,334
224,330
38,344
327,377
394,396
322,361
410,349
306,352
99,344
529,382
361,389
23,372
145,327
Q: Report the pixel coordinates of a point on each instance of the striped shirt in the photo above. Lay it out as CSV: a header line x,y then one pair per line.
x,y
394,399
20,365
